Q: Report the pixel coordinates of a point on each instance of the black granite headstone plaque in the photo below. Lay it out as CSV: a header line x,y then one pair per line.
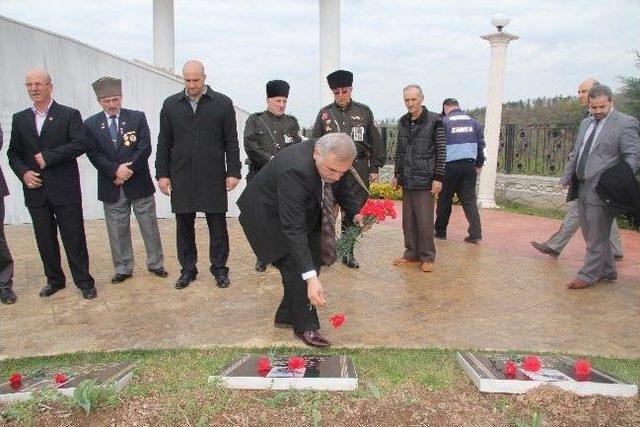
x,y
487,371
319,373
116,374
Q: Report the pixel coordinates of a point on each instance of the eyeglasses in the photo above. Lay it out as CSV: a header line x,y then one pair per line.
x,y
341,91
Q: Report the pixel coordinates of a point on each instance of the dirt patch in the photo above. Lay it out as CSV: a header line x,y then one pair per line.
x,y
406,406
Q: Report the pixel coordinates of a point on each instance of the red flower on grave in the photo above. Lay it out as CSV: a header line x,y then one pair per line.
x,y
15,381
531,364
337,320
582,368
510,369
296,363
60,379
264,366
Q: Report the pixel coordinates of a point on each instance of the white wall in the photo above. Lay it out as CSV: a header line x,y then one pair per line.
x,y
73,66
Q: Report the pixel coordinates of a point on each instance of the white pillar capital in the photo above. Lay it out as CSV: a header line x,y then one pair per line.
x,y
499,38
493,116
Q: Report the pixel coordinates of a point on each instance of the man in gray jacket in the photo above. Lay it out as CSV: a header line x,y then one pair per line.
x,y
604,139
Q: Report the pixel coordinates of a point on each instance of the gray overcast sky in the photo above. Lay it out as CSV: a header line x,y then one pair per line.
x,y
387,44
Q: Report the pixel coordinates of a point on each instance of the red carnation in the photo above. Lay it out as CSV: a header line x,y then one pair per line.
x,y
59,378
531,364
510,369
582,368
337,320
295,363
264,365
15,380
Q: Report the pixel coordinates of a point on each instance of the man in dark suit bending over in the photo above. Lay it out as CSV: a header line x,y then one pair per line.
x,y
280,212
46,138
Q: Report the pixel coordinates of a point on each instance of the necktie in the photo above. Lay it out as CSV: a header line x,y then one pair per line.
x,y
328,228
113,130
584,157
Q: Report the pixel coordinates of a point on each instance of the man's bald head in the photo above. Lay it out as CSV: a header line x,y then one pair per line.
x,y
39,87
39,73
583,91
194,77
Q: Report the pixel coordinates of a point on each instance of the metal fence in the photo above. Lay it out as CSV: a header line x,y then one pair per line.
x,y
535,149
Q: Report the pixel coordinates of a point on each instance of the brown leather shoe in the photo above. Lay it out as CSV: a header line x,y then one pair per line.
x,y
578,284
404,261
312,338
426,266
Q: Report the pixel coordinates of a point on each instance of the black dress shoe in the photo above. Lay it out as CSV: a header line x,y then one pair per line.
x,y
120,277
160,272
440,236
89,292
50,289
312,338
222,278
185,279
7,296
261,267
542,247
618,257
350,261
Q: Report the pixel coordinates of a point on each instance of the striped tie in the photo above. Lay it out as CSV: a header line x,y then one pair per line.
x,y
328,230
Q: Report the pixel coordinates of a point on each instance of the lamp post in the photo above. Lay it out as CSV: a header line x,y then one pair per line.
x,y
498,42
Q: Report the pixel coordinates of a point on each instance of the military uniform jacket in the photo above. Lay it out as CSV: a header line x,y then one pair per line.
x,y
356,120
265,135
198,151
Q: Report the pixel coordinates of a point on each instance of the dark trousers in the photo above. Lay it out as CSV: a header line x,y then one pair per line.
x,y
295,307
6,260
186,241
47,220
459,178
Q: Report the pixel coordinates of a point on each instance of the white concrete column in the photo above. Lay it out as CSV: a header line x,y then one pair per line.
x,y
163,35
499,42
329,45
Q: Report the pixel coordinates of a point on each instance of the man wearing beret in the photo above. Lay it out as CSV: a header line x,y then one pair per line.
x,y
46,138
120,146
197,163
345,115
268,132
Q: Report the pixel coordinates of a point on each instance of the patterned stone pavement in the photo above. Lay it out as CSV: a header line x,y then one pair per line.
x,y
500,294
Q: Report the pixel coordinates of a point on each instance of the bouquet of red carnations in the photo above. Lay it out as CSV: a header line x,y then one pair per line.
x,y
373,211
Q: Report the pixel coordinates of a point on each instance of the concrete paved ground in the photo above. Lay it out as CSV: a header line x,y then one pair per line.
x,y
500,294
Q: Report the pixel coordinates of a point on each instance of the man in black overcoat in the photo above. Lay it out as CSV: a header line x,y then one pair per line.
x,y
197,163
280,212
46,138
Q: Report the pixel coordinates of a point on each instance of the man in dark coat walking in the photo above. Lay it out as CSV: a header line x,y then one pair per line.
x,y
197,163
280,214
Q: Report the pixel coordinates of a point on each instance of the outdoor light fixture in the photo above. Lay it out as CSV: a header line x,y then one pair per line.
x,y
500,20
